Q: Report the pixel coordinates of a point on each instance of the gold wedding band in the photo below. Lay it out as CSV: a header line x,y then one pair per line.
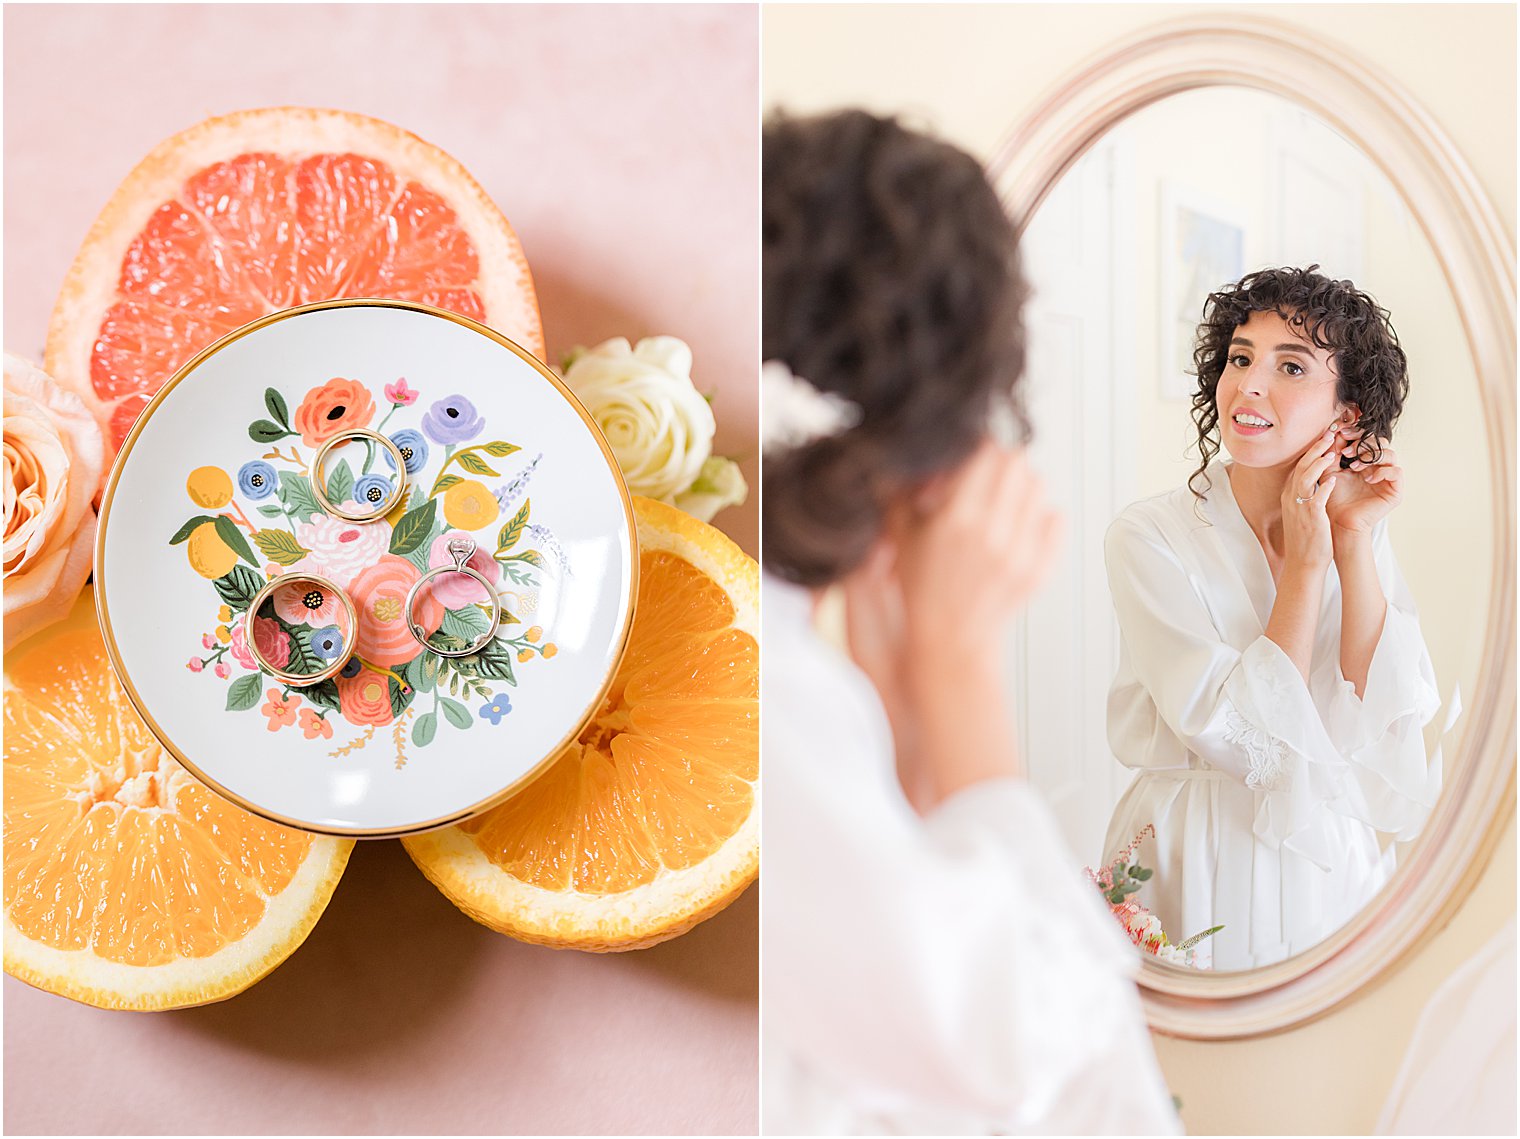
x,y
319,583
379,507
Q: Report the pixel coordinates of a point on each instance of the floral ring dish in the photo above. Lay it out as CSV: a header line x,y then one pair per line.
x,y
374,494
329,643
461,548
211,500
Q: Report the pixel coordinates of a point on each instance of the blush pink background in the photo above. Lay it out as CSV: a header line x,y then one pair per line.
x,y
623,144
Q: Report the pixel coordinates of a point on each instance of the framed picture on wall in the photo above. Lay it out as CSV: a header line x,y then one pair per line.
x,y
1202,247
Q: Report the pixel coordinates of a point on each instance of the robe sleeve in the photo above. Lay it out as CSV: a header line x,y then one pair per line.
x,y
959,961
1247,713
1381,729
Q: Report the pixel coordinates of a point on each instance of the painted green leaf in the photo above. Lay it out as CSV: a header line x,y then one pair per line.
x,y
263,431
532,557
456,712
238,587
271,512
444,482
340,482
189,528
425,729
275,402
303,661
244,692
513,529
516,574
414,528
475,464
227,530
280,546
501,449
400,700
324,695
465,624
296,494
494,662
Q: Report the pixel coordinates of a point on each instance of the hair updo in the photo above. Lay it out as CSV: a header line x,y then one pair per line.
x,y
890,278
1371,370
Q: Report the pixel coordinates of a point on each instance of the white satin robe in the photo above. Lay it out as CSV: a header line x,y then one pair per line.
x,y
944,975
1275,803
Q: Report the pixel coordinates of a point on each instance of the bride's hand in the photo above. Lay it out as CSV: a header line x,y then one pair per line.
x,y
1306,526
977,545
1365,493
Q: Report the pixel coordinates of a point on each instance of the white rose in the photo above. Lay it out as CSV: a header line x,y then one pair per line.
x,y
54,459
657,423
719,484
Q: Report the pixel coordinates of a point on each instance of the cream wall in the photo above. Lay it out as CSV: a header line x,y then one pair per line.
x,y
971,72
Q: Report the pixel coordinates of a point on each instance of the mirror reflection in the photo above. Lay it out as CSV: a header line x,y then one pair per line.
x,y
1258,411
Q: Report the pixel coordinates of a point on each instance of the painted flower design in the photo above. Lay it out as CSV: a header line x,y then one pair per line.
x,y
272,640
496,709
327,643
338,405
452,420
341,548
239,647
306,603
371,490
365,698
313,725
468,505
454,590
257,479
413,447
281,710
401,395
379,594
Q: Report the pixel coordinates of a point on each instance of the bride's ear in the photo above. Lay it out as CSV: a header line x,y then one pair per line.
x,y
1349,415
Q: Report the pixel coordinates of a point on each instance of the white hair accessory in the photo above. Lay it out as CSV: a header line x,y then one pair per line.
x,y
793,413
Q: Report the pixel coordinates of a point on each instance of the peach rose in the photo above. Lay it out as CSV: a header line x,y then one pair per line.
x,y
379,595
54,463
366,697
338,405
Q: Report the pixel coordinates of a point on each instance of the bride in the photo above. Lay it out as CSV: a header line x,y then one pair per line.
x,y
933,961
1273,681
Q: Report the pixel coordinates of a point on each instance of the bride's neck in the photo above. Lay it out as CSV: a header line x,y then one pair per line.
x,y
1258,492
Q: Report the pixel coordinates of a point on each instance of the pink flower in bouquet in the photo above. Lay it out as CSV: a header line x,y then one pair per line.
x,y
195,664
306,603
281,710
339,549
238,646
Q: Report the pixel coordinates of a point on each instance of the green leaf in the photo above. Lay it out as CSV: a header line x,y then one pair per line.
x,y
271,512
400,700
244,692
1197,937
425,729
465,624
456,712
263,431
296,494
324,695
238,587
189,528
340,483
494,662
414,528
228,532
513,529
303,661
280,546
443,484
275,402
501,449
475,464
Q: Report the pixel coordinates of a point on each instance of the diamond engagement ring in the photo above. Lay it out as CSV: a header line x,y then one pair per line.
x,y
461,549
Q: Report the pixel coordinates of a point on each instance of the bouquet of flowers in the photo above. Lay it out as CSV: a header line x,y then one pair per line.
x,y
1121,878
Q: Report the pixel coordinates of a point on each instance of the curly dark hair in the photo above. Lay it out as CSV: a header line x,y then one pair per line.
x,y
890,278
1371,370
